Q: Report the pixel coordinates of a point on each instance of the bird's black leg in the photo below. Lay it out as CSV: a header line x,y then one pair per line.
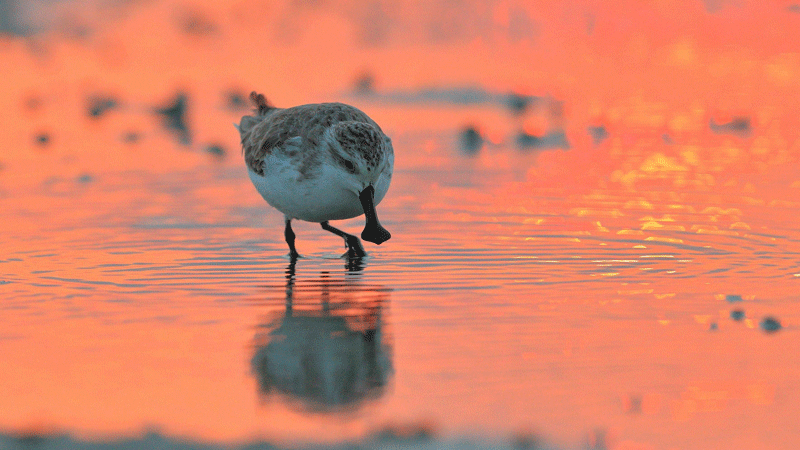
x,y
354,247
289,235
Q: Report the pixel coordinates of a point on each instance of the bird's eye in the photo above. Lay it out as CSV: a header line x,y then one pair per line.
x,y
349,165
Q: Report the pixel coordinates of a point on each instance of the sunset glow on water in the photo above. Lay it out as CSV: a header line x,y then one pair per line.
x,y
593,218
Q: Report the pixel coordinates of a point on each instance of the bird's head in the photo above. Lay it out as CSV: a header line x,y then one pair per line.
x,y
365,157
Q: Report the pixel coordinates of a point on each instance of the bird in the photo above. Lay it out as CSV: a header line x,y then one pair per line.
x,y
319,162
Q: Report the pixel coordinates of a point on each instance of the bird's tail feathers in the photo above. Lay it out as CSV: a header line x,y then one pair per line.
x,y
263,106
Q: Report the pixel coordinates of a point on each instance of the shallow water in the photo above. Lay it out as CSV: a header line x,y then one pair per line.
x,y
623,292
542,310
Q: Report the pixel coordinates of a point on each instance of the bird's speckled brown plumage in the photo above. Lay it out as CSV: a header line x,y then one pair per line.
x,y
268,130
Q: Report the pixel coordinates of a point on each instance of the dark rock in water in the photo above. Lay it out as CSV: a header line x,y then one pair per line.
x,y
34,102
470,140
737,314
632,403
713,326
597,440
456,95
598,133
527,441
411,432
215,150
739,126
99,105
551,140
28,439
174,118
733,298
459,95
196,23
42,139
667,139
770,324
236,101
85,178
364,84
13,20
131,137
519,103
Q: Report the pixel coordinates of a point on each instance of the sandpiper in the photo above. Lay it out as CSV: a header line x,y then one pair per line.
x,y
319,162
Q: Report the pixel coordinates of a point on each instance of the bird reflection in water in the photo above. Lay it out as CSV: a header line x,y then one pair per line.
x,y
327,349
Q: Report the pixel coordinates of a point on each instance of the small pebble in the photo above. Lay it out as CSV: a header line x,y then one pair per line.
x,y
174,117
556,139
42,139
364,84
85,178
527,441
598,133
739,126
406,433
471,140
733,298
235,101
99,105
737,314
770,324
131,137
215,150
197,24
518,103
33,103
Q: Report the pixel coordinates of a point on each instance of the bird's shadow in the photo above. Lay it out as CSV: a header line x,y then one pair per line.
x,y
326,348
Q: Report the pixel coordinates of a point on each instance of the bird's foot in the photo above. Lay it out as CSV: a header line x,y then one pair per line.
x,y
354,247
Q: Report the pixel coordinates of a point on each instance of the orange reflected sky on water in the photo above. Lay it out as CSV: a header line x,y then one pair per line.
x,y
538,265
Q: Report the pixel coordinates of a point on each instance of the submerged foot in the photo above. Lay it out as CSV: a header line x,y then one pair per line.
x,y
287,232
354,247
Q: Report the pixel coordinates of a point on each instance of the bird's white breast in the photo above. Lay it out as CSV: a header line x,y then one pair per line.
x,y
316,199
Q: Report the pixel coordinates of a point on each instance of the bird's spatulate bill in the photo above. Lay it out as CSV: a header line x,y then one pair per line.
x,y
373,231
